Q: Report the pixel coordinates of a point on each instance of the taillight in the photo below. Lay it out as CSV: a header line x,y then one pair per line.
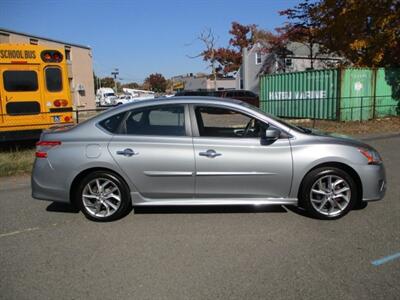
x,y
67,119
41,154
45,146
60,102
48,143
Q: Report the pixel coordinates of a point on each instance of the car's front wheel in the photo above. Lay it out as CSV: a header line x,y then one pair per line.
x,y
103,196
328,193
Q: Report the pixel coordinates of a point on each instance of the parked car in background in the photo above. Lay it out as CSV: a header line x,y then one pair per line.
x,y
202,151
124,99
199,93
242,95
139,94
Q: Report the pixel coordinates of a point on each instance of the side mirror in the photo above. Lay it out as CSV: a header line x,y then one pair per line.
x,y
271,135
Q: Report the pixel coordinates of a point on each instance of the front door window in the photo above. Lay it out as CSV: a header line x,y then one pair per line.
x,y
226,123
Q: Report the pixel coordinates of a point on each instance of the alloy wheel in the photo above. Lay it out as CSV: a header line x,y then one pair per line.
x,y
101,197
330,195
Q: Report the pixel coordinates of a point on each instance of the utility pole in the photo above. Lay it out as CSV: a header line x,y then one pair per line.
x,y
115,73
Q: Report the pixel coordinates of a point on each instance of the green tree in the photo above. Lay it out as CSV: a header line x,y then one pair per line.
x,y
130,85
156,82
107,82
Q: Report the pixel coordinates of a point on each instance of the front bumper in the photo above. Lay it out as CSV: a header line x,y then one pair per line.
x,y
373,179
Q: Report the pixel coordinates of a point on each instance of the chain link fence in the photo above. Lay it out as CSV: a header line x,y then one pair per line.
x,y
335,109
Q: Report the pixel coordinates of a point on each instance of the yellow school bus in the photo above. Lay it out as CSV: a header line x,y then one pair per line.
x,y
34,90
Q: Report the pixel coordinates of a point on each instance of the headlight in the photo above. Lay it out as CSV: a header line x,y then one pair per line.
x,y
372,156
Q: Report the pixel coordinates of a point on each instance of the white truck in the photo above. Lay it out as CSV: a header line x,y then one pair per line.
x,y
106,97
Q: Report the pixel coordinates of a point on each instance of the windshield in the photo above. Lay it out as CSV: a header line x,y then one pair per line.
x,y
279,120
109,95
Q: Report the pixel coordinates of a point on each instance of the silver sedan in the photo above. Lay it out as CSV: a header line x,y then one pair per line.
x,y
202,151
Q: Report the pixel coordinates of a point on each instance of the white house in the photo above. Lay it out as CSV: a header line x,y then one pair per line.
x,y
256,61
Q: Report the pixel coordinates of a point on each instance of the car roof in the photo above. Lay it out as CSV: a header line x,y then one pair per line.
x,y
185,100
170,100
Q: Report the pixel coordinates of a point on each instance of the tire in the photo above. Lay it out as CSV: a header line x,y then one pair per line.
x,y
110,202
328,193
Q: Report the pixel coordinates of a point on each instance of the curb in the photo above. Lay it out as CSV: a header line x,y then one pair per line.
x,y
375,137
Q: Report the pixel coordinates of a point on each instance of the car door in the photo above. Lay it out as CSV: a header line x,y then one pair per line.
x,y
234,165
154,148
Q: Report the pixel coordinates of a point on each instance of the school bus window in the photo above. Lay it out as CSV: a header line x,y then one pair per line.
x,y
23,108
53,79
20,81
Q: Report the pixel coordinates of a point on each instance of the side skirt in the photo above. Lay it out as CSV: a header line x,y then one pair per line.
x,y
138,200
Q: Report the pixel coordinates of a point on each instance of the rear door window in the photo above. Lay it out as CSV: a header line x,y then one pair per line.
x,y
53,79
20,81
167,120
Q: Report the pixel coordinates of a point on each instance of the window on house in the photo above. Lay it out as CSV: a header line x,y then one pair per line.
x,y
68,53
33,41
258,58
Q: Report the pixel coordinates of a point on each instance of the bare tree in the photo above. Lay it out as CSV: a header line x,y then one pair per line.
x,y
208,38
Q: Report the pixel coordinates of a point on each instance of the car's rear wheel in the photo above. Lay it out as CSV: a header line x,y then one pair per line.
x,y
328,193
103,196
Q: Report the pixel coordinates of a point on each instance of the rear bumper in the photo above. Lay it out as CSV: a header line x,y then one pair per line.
x,y
45,183
373,178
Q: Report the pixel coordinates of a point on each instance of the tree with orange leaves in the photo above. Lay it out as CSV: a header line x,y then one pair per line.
x,y
365,32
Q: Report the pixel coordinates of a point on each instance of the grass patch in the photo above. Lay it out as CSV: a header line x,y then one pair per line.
x,y
16,162
377,126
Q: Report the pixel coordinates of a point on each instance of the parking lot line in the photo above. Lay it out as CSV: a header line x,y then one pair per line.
x,y
385,259
18,231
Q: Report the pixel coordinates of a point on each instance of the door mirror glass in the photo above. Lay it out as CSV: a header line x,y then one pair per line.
x,y
271,135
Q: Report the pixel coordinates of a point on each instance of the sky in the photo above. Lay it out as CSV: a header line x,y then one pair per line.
x,y
140,37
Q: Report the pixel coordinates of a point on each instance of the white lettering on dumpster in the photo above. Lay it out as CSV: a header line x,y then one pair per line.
x,y
289,95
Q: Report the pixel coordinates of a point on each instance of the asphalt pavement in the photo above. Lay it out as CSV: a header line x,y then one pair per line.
x,y
50,251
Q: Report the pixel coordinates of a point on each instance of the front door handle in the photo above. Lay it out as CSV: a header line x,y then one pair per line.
x,y
127,152
210,153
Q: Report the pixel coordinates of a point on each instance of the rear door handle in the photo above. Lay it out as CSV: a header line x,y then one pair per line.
x,y
127,152
210,153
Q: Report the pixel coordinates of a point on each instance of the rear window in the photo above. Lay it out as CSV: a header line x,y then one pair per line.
x,y
20,81
53,79
23,108
112,124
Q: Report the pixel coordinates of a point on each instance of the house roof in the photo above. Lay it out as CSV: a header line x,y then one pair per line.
x,y
43,38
